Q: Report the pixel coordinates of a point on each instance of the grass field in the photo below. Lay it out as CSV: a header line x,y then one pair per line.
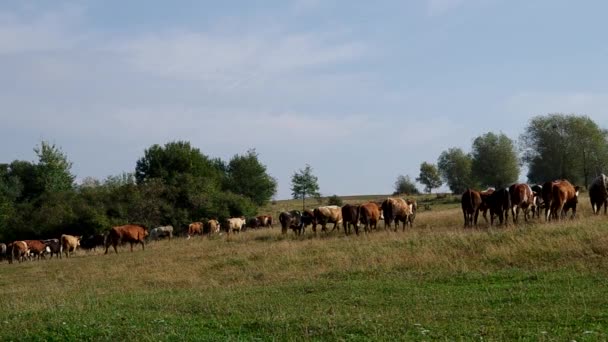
x,y
437,281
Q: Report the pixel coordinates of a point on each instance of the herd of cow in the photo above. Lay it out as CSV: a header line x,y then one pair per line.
x,y
556,198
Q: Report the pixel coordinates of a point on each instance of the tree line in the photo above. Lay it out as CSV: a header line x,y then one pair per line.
x,y
554,146
174,184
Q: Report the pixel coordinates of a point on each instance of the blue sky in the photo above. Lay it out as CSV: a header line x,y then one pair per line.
x,y
361,91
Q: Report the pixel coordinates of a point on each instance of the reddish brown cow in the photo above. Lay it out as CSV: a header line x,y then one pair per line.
x,y
265,221
522,198
130,233
37,248
483,207
350,217
547,195
369,215
470,202
564,197
195,228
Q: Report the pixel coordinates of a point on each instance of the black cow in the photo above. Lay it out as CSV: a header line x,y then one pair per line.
x,y
291,219
93,241
54,246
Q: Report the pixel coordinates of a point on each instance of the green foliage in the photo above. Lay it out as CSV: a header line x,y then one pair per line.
x,y
53,169
247,176
559,146
494,160
429,177
455,168
173,160
335,200
404,185
304,184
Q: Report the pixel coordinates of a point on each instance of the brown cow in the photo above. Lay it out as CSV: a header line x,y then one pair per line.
x,y
325,215
37,248
499,203
369,215
69,243
470,202
398,210
483,207
130,233
195,228
547,195
265,220
564,198
350,217
522,197
19,250
598,194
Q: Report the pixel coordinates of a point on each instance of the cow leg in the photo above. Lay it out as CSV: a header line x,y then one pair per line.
x,y
131,244
476,217
143,245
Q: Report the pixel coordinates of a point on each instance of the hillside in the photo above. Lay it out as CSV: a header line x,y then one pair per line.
x,y
436,281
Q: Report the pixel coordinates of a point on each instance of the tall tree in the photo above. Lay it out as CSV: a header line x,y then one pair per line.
x,y
495,161
429,177
405,185
304,184
171,161
53,168
559,146
455,168
248,177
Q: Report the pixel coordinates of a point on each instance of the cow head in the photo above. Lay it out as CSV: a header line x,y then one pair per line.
x,y
78,238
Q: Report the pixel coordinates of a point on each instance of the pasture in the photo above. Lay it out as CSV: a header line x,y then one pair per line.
x,y
436,281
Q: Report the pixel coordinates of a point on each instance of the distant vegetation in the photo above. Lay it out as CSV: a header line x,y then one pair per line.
x,y
173,184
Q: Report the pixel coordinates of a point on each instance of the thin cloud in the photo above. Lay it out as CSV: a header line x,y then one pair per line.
x,y
226,59
438,7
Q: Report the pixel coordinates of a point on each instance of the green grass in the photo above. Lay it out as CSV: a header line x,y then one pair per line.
x,y
437,281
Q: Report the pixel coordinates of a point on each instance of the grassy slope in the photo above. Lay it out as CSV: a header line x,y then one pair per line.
x,y
437,281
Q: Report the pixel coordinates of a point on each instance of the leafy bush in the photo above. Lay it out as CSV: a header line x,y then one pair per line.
x,y
335,200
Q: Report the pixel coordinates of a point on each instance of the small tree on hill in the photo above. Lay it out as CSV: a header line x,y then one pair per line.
x,y
335,200
304,184
404,185
429,177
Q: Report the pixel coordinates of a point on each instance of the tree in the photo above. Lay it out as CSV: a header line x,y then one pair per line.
x,y
172,160
455,168
248,177
429,177
304,184
559,146
404,185
495,161
335,200
53,168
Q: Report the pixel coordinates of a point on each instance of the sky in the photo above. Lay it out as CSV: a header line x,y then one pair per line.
x,y
362,91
